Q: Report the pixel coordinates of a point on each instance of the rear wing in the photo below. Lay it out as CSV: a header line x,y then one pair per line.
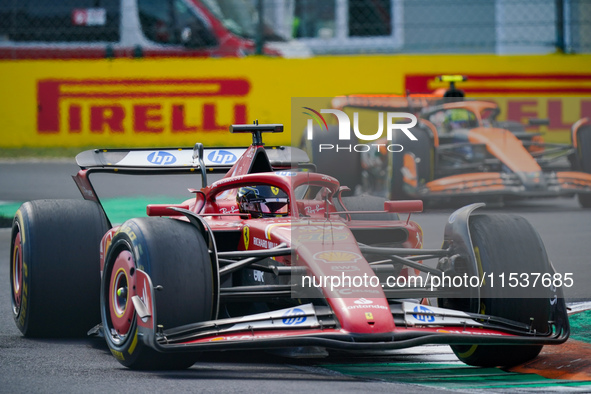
x,y
215,160
174,161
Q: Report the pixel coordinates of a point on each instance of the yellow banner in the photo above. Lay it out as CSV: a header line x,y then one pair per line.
x,y
177,102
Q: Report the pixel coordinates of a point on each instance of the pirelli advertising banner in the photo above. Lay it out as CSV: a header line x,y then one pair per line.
x,y
177,102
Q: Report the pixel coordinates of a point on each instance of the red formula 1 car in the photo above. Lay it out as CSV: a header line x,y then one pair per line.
x,y
272,256
462,153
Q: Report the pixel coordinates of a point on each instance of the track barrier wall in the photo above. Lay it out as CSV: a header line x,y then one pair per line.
x,y
177,102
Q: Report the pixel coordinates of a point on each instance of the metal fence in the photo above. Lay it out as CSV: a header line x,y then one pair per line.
x,y
444,26
179,27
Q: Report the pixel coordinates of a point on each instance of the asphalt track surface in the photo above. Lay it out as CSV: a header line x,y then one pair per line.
x,y
86,365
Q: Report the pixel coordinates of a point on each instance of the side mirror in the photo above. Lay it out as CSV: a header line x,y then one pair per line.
x,y
403,206
192,36
538,122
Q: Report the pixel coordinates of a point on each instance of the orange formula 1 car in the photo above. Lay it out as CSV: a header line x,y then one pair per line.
x,y
461,153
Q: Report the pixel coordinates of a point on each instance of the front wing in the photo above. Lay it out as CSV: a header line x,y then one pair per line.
x,y
553,184
310,325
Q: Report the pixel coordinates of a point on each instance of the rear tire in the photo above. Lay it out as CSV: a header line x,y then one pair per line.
x,y
584,159
175,256
54,269
506,243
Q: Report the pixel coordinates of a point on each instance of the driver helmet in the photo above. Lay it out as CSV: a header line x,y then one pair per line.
x,y
262,201
458,118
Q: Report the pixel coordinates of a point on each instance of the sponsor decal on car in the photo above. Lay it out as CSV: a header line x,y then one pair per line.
x,y
246,236
420,309
313,210
294,317
246,337
263,243
337,256
422,315
232,209
468,332
366,307
161,158
219,156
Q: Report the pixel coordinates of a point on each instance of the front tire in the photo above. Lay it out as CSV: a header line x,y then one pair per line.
x,y
506,243
54,267
175,256
584,159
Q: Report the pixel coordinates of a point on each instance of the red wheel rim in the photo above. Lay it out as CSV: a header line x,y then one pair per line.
x,y
121,289
17,272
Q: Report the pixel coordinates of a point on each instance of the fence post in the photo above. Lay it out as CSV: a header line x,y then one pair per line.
x,y
260,36
560,45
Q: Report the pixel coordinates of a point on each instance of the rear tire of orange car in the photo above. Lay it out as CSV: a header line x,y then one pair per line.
x,y
175,256
54,267
509,244
584,159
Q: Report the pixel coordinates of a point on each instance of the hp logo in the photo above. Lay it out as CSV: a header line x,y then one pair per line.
x,y
161,158
293,317
221,157
423,318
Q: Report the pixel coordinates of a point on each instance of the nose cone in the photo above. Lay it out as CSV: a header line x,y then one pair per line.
x,y
532,181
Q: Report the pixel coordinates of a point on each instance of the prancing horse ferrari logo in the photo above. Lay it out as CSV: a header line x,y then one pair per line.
x,y
275,190
246,236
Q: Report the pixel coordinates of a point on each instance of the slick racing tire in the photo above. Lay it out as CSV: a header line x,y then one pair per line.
x,y
509,244
54,267
175,256
345,166
584,159
412,167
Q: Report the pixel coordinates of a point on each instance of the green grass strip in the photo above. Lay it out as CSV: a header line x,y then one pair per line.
x,y
450,376
118,209
580,325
